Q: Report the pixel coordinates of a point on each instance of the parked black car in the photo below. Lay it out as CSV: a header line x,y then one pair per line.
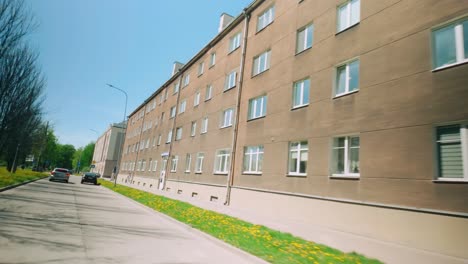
x,y
90,177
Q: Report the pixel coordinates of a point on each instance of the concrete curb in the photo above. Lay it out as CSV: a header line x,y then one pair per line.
x,y
245,255
19,184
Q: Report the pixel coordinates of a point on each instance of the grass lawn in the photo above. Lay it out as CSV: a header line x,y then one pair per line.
x,y
265,243
19,176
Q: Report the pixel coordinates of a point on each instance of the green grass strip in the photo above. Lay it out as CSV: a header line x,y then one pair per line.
x,y
19,176
265,243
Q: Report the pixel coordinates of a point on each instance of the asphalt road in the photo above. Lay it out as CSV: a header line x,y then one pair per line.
x,y
52,222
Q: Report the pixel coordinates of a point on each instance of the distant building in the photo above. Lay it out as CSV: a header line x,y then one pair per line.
x,y
347,118
106,150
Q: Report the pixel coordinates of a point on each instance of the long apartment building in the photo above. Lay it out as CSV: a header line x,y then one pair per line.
x,y
348,117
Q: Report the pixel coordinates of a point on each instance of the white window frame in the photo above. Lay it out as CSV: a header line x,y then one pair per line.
x,y
155,165
173,111
265,18
186,80
212,59
348,77
464,151
254,104
204,125
199,162
159,139
301,147
348,21
222,157
201,68
178,133
234,42
188,162
261,63
150,164
227,118
208,92
253,159
196,99
193,128
182,106
460,51
174,161
347,149
231,80
169,137
176,88
307,30
300,85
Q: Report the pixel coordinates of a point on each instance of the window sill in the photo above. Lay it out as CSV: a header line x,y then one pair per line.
x,y
348,28
202,133
345,94
263,28
230,88
206,100
225,126
198,172
296,175
232,51
453,65
299,107
255,118
345,176
302,51
220,173
455,181
211,66
200,74
252,173
260,73
186,172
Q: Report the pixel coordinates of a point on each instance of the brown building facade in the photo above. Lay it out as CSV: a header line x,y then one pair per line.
x,y
350,117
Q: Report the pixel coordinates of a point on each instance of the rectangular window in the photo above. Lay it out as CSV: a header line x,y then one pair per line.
x,y
172,112
176,87
253,159
204,125
186,80
212,59
188,161
182,106
230,80
159,139
348,14
155,165
234,42
174,161
301,93
178,133
150,166
201,68
257,107
452,152
298,155
162,117
193,128
305,37
208,92
261,63
227,118
222,161
199,164
166,94
143,165
196,99
345,161
169,136
147,143
347,78
265,18
450,44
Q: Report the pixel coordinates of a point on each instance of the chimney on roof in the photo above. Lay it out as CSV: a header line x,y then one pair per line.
x,y
224,21
176,67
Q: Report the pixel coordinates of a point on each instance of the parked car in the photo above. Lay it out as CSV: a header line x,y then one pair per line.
x,y
89,177
59,174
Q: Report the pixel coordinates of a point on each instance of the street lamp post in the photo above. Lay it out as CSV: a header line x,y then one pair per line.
x,y
116,167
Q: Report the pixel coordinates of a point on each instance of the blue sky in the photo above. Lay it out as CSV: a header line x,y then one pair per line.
x,y
84,44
